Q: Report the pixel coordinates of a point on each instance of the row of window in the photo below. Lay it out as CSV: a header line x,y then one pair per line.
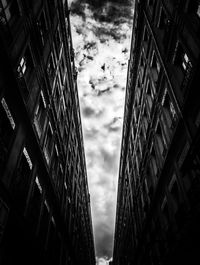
x,y
7,132
174,205
180,58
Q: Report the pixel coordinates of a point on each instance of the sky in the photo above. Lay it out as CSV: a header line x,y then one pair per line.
x,y
101,33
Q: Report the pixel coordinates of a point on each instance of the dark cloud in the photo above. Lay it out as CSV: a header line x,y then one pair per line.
x,y
104,242
90,45
103,91
108,160
102,32
91,82
88,112
90,134
113,126
114,11
116,86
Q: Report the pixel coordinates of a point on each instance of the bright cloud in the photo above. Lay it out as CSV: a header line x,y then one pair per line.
x,y
101,39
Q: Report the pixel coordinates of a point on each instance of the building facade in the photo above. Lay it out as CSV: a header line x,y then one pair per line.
x,y
45,213
158,204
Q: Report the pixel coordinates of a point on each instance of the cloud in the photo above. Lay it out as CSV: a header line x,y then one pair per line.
x,y
101,33
101,261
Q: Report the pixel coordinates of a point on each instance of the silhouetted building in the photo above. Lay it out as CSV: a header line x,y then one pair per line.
x,y
45,213
158,205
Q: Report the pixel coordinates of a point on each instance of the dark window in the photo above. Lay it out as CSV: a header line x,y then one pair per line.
x,y
7,126
21,179
155,67
146,35
154,166
40,114
48,143
165,211
11,10
35,204
52,9
149,96
146,39
162,145
142,67
151,2
55,163
57,96
44,224
3,217
174,190
162,19
60,179
65,137
54,244
42,26
194,7
51,67
58,41
62,65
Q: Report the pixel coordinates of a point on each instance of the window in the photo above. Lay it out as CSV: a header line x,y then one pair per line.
x,y
21,178
23,65
55,164
48,143
42,26
44,223
149,96
35,203
145,35
151,2
40,114
185,61
58,41
194,7
7,126
182,154
26,65
145,125
51,8
162,145
138,92
57,96
62,119
198,10
155,67
169,116
197,118
51,67
11,10
153,163
60,179
142,67
4,211
165,211
150,182
162,19
146,40
181,59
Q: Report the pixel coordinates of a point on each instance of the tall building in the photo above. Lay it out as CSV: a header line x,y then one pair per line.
x,y
158,204
45,213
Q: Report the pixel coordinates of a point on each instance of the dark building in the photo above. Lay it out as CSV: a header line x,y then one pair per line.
x,y
158,204
45,213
